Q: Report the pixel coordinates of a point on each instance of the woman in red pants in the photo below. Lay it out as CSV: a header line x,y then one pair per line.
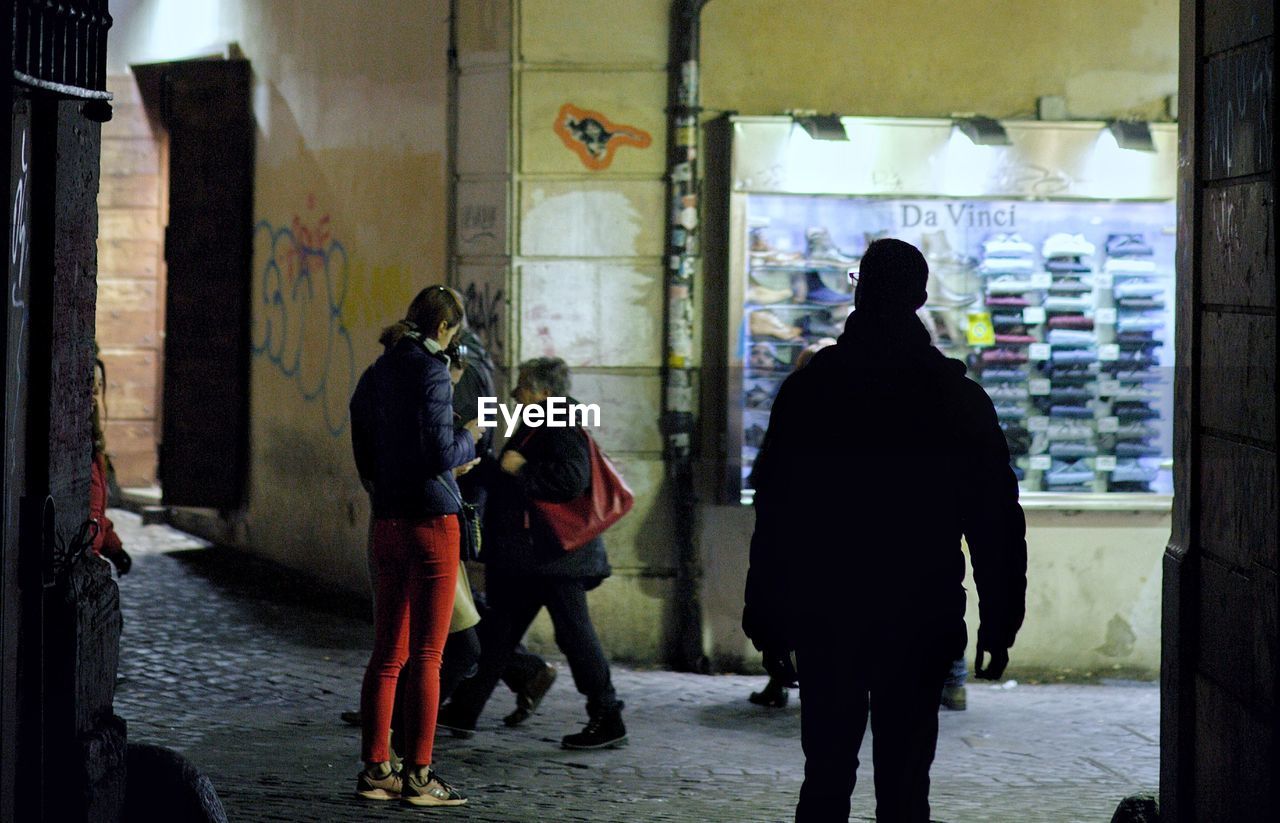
x,y
406,447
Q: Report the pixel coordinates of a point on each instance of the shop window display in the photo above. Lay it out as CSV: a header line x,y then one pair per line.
x,y
1062,311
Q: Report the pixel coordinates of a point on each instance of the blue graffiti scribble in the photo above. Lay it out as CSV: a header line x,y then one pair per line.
x,y
298,323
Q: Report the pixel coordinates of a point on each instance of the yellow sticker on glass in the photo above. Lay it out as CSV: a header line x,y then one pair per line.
x,y
981,332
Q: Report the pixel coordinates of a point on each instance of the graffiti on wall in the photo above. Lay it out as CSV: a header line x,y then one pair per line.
x,y
484,306
298,320
595,138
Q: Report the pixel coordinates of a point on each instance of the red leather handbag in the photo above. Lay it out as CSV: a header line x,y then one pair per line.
x,y
576,522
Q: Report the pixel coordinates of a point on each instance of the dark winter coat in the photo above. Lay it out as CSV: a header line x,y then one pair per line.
x,y
516,538
403,435
879,455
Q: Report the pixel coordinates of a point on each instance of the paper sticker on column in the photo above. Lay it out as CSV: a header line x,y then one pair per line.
x,y
981,332
1033,314
1109,351
1038,423
1108,424
1106,462
1105,317
1040,462
1038,386
1038,351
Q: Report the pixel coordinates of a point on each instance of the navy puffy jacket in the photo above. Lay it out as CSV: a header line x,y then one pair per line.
x,y
403,435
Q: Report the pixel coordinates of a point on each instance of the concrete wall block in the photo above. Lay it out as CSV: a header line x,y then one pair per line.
x,y
630,405
628,104
484,121
592,314
1238,236
642,539
573,31
630,615
1227,25
1239,528
1234,759
481,219
1238,364
1238,96
128,157
483,30
1239,655
622,218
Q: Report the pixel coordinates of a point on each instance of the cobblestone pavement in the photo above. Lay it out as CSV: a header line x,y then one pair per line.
x,y
247,680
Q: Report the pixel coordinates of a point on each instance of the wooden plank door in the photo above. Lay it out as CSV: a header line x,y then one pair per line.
x,y
208,253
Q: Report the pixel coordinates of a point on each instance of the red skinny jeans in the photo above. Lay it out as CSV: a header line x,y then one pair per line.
x,y
415,569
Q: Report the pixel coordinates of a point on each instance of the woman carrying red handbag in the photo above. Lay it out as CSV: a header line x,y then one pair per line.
x,y
527,566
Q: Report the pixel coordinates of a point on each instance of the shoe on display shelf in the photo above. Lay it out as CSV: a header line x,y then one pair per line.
x,y
1131,471
1074,305
1138,303
1010,411
813,325
1127,244
1064,244
1129,265
1071,412
1072,449
1138,288
1129,486
1071,337
1008,302
1136,431
1132,449
764,296
1003,375
1005,265
764,253
1067,265
1078,322
764,323
764,357
1064,472
1003,339
1069,287
1069,430
758,397
809,288
1140,322
1007,245
820,248
1007,284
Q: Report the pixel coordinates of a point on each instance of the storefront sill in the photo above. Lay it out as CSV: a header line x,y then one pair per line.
x,y
1110,502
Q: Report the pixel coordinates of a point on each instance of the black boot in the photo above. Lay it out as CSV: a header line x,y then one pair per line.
x,y
604,730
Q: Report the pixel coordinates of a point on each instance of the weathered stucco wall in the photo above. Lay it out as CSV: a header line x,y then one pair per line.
x,y
350,205
1093,592
926,59
559,243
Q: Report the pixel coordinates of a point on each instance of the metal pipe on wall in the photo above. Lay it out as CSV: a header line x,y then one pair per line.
x,y
682,256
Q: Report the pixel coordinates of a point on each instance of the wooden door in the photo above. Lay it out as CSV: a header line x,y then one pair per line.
x,y
205,108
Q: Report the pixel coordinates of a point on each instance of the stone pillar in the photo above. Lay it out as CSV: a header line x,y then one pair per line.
x,y
1221,632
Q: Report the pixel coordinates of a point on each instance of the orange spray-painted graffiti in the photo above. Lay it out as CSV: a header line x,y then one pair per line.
x,y
595,138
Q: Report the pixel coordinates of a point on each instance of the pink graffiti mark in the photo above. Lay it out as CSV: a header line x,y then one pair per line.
x,y
312,235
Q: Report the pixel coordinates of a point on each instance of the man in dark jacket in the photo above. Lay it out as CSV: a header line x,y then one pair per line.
x,y
526,568
880,455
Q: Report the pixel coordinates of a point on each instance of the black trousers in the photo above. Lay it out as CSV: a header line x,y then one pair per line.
x,y
839,685
514,601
